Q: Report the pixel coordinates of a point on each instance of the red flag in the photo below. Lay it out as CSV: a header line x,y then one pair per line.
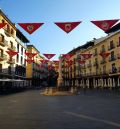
x,y
11,53
49,56
86,56
105,25
44,61
2,25
30,27
81,62
30,55
67,56
29,61
104,55
67,26
69,62
56,62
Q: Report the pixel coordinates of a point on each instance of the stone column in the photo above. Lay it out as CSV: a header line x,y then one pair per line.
x,y
118,82
60,79
94,85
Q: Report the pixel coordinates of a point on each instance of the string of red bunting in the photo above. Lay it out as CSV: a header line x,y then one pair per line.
x,y
105,25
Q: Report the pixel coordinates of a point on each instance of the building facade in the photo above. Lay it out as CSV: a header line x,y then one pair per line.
x,y
97,71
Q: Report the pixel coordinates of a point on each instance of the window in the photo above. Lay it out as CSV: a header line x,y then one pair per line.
x,y
21,60
111,44
104,69
114,69
103,48
95,51
1,53
12,31
3,21
17,58
112,55
17,47
8,28
1,38
21,50
11,44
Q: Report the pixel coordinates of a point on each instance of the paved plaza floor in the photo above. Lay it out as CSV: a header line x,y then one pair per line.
x,y
30,110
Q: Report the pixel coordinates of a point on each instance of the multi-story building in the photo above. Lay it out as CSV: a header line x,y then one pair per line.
x,y
97,71
7,42
35,71
12,70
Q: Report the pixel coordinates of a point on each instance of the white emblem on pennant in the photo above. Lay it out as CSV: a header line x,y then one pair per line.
x,y
30,27
105,25
67,27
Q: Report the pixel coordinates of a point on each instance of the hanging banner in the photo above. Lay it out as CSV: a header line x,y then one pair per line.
x,y
29,61
11,53
67,26
49,56
104,55
44,61
105,25
69,62
56,62
86,56
30,55
67,56
81,62
2,25
30,27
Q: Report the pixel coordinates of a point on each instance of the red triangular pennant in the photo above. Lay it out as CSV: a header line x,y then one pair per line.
x,y
11,53
105,25
30,27
29,61
69,62
2,25
56,62
86,56
104,55
81,62
49,56
67,56
67,26
44,61
30,55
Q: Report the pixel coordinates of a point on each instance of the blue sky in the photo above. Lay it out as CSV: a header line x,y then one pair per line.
x,y
51,39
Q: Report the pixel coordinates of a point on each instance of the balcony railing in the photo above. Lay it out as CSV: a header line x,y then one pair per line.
x,y
103,61
11,61
3,42
3,57
12,48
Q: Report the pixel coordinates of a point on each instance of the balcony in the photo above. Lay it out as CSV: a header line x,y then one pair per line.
x,y
11,61
13,48
3,57
3,42
103,61
113,58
